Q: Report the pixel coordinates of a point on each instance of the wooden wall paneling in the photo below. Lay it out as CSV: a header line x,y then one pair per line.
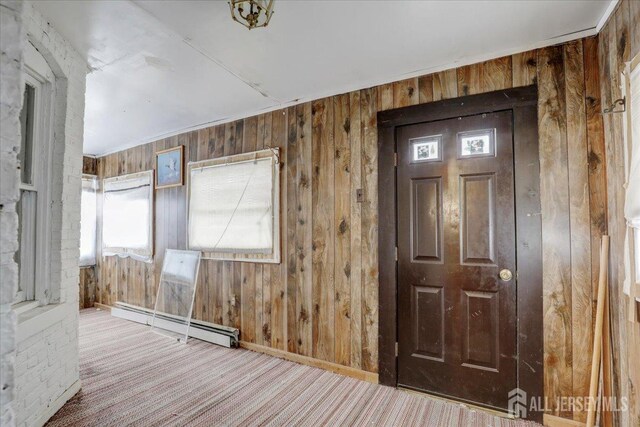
x,y
469,79
257,274
199,150
304,231
161,223
149,270
215,268
89,165
524,68
248,270
100,270
291,261
342,220
112,284
369,217
355,258
496,74
279,271
577,156
555,224
323,202
445,85
87,287
265,125
595,155
385,96
405,92
425,89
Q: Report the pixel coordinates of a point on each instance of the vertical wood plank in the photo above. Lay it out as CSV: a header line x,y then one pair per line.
x,y
304,231
342,221
248,269
445,85
369,212
469,79
323,230
556,257
385,96
266,271
290,242
278,271
497,74
355,140
405,92
425,89
581,306
524,68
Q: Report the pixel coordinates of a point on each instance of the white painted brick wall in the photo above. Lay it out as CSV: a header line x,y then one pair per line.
x,y
45,363
11,83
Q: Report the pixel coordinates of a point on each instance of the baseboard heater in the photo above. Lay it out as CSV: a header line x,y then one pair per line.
x,y
205,331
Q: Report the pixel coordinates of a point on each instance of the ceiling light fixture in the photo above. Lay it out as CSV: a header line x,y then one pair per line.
x,y
251,13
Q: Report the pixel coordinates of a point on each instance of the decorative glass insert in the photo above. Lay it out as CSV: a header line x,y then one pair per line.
x,y
478,143
426,149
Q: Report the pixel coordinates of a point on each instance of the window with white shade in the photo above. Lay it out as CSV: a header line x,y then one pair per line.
x,y
127,216
88,205
234,207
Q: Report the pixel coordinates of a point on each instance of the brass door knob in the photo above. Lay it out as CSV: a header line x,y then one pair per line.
x,y
506,275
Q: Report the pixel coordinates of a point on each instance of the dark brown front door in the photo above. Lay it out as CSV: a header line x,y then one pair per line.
x,y
456,233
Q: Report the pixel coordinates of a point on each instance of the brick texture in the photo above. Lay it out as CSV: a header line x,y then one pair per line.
x,y
39,366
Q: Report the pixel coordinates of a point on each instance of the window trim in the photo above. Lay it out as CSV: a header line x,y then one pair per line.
x,y
274,257
632,70
38,74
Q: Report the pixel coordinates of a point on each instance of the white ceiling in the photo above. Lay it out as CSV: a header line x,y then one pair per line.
x,y
162,67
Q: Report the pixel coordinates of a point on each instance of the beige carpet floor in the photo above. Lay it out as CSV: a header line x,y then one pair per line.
x,y
131,376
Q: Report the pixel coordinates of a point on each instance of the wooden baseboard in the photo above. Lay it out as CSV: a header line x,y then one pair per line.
x,y
102,306
310,361
555,421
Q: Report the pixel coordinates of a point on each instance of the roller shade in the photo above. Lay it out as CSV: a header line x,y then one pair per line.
x,y
231,207
88,221
127,216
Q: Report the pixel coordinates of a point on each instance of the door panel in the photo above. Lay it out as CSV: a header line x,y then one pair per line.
x,y
427,219
456,318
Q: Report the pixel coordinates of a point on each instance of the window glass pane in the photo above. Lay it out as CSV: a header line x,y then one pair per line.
x,y
88,222
478,143
127,205
26,124
426,149
25,257
231,207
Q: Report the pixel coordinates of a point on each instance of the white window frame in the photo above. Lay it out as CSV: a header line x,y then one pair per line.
x,y
38,74
94,180
632,266
135,253
272,257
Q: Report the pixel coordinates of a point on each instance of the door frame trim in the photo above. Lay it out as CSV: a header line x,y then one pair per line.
x,y
522,101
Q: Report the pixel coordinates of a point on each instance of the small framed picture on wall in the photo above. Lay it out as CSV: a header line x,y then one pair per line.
x,y
169,171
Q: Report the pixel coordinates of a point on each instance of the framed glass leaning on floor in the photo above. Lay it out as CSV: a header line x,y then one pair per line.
x,y
176,293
